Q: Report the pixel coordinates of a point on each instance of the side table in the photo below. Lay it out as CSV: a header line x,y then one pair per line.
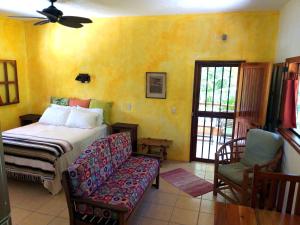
x,y
151,143
29,119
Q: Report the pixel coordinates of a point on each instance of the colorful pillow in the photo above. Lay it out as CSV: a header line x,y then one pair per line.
x,y
106,106
79,102
60,101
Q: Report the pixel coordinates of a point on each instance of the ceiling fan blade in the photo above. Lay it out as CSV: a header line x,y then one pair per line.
x,y
76,19
42,22
48,15
70,24
27,17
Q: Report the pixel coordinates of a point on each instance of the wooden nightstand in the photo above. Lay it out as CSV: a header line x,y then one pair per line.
x,y
29,119
123,127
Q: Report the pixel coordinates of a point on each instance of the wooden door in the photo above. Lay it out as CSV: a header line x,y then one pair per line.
x,y
252,99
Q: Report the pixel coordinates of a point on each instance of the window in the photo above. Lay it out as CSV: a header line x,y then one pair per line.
x,y
297,130
9,91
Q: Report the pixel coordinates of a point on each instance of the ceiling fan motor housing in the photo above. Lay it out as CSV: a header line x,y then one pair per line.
x,y
55,12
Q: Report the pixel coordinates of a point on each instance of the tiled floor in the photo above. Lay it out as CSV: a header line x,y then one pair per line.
x,y
33,205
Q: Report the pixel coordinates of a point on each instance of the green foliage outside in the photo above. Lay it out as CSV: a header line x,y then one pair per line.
x,y
218,88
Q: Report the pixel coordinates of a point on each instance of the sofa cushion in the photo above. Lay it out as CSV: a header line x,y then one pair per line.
x,y
126,186
233,171
91,169
120,147
261,147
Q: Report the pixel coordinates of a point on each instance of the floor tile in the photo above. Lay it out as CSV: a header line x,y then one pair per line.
x,y
18,214
33,205
208,196
37,219
53,207
64,214
205,219
59,221
186,217
164,186
148,221
188,203
161,198
207,206
159,212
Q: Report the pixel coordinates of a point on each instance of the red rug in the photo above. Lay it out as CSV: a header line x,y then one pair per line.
x,y
187,182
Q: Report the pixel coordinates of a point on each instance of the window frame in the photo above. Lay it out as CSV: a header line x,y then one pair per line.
x,y
292,135
6,82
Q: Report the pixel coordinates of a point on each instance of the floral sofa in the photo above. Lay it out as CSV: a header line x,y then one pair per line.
x,y
107,181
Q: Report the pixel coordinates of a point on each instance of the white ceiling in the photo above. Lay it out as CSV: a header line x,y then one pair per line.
x,y
108,8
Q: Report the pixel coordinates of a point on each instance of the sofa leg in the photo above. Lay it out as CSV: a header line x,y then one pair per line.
x,y
156,185
157,181
122,220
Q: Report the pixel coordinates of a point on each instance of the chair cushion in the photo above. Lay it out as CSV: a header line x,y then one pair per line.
x,y
233,171
126,186
261,147
91,169
120,147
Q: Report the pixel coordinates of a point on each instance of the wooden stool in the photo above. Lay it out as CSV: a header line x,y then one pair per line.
x,y
161,144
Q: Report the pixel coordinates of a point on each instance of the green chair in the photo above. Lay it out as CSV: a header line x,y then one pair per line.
x,y
235,160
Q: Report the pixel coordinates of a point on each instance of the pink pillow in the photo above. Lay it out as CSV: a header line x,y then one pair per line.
x,y
85,103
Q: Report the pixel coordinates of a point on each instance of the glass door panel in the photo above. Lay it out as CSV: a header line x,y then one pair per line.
x,y
217,88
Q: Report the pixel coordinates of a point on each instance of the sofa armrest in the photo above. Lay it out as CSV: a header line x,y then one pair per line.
x,y
146,155
100,205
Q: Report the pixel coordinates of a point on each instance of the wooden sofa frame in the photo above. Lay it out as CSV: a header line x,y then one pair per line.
x,y
79,219
232,152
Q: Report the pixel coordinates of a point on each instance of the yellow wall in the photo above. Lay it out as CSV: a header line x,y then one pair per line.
x,y
118,51
13,46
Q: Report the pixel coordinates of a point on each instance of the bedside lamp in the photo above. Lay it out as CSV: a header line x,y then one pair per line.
x,y
83,78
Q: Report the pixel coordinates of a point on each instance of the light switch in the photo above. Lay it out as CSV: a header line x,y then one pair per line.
x,y
173,110
129,107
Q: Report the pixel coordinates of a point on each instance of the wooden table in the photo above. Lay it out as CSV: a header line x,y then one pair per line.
x,y
230,214
151,143
265,217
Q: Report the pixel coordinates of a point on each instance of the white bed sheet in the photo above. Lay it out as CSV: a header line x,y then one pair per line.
x,y
78,138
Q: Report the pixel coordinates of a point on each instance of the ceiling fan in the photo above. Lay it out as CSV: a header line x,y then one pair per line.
x,y
54,15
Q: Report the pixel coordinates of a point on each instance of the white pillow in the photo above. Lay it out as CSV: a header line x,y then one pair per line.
x,y
94,110
82,119
62,106
55,116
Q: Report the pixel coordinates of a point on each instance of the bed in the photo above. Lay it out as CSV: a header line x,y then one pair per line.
x,y
41,152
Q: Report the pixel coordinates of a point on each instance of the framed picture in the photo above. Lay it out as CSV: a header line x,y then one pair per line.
x,y
156,85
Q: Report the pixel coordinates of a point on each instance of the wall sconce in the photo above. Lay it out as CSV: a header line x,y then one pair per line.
x,y
83,78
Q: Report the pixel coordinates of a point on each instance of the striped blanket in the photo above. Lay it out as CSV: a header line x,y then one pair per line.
x,y
32,157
